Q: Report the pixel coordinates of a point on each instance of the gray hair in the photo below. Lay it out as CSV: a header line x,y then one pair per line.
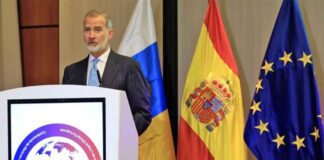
x,y
96,13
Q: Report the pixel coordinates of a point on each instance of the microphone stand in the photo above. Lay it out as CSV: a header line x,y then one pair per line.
x,y
99,78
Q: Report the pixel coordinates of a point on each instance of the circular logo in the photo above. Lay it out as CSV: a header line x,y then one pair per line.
x,y
57,142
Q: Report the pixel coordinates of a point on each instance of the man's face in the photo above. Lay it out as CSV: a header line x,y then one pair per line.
x,y
96,34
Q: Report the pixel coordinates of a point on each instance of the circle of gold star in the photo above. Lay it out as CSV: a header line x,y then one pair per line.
x,y
262,127
286,58
258,85
255,107
279,140
306,59
299,142
315,133
267,67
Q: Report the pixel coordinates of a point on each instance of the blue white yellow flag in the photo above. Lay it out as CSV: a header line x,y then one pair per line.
x,y
139,42
285,120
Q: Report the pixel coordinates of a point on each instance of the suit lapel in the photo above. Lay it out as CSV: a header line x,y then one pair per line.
x,y
111,69
83,71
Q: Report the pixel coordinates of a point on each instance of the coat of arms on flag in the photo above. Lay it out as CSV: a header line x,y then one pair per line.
x,y
210,102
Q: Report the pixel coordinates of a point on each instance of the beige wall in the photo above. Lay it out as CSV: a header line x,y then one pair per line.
x,y
10,61
71,18
313,13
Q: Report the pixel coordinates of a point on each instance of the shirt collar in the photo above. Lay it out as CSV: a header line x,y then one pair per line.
x,y
102,58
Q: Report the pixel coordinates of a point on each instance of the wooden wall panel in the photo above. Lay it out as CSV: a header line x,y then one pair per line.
x,y
38,12
40,56
39,35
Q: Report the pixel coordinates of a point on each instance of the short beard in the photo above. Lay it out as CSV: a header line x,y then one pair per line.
x,y
99,47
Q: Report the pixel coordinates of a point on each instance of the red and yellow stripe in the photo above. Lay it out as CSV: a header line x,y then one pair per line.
x,y
213,59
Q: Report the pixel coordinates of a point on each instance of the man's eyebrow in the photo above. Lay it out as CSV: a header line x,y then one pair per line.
x,y
93,26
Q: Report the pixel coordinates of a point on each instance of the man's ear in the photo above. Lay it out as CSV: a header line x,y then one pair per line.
x,y
111,33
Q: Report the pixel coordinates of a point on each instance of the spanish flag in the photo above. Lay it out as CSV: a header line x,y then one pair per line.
x,y
212,122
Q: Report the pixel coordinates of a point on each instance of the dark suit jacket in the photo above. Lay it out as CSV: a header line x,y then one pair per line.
x,y
121,73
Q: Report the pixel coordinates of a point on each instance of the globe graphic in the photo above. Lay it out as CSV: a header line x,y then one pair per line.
x,y
56,150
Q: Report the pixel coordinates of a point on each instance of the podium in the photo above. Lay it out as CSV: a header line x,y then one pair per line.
x,y
116,138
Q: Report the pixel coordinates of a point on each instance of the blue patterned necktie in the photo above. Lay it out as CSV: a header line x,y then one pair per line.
x,y
93,77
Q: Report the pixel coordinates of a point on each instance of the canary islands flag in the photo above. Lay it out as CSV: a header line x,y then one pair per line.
x,y
285,120
139,42
211,122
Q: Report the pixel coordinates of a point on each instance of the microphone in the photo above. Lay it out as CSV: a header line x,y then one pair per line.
x,y
99,78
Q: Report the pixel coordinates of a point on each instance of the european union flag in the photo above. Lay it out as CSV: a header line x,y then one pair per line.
x,y
285,120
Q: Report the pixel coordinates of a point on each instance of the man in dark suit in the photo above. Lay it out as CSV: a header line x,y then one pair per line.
x,y
118,72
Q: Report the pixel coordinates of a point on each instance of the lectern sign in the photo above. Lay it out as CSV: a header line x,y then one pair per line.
x,y
59,129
